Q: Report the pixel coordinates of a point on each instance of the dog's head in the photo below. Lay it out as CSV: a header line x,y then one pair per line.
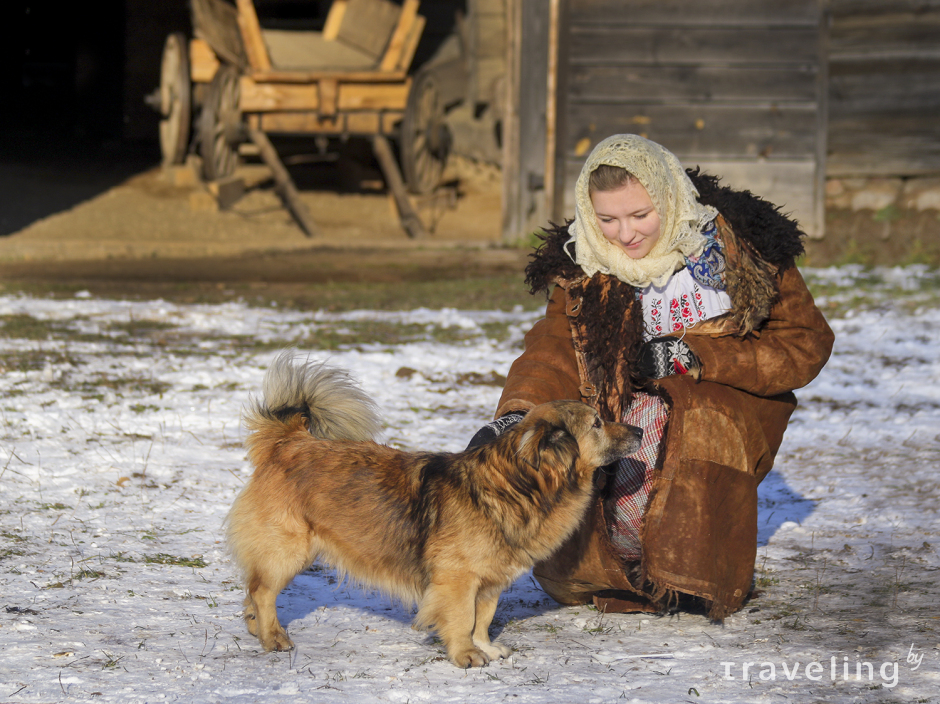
x,y
571,435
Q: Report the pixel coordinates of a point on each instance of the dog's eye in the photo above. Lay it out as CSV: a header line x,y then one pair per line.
x,y
597,422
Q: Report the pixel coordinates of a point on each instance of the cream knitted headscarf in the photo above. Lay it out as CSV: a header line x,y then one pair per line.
x,y
682,217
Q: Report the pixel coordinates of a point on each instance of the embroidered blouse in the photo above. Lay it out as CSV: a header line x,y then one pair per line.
x,y
694,293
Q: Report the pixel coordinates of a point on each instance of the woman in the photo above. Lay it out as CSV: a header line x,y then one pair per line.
x,y
675,305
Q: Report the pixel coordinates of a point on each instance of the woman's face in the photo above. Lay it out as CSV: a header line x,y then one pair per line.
x,y
627,218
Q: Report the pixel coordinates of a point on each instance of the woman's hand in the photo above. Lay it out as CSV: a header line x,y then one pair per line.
x,y
665,356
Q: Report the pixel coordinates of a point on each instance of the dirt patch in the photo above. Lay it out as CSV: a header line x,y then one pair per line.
x,y
302,266
888,236
164,225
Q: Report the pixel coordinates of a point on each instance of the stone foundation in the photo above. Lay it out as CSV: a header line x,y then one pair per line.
x,y
879,221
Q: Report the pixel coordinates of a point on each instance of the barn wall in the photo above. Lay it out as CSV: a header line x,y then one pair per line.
x,y
884,96
733,86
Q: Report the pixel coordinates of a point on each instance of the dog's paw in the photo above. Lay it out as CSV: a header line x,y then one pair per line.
x,y
469,657
494,651
278,642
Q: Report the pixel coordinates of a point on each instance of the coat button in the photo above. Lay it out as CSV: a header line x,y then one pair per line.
x,y
574,306
588,390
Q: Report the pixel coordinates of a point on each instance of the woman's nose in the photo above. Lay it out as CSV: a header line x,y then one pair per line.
x,y
626,232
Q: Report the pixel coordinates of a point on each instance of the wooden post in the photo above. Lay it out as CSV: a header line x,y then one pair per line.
x,y
558,104
285,184
409,218
551,109
511,138
524,122
818,229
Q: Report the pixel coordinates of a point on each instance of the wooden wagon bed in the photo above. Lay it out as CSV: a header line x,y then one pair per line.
x,y
350,78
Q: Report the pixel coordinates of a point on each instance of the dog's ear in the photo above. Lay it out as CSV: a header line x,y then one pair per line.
x,y
545,442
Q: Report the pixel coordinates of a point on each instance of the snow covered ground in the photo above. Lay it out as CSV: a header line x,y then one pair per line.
x,y
120,453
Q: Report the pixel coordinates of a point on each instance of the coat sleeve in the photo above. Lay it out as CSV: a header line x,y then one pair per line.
x,y
548,368
787,353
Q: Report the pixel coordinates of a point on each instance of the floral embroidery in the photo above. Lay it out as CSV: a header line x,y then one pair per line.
x,y
693,294
699,304
675,315
685,310
656,318
687,315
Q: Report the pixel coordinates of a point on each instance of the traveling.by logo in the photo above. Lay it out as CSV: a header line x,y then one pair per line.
x,y
912,657
859,671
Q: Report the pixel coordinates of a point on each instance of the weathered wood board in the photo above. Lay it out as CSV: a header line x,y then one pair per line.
x,y
737,85
785,184
703,130
884,88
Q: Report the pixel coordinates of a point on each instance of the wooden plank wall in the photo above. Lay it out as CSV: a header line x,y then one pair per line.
x,y
884,96
734,86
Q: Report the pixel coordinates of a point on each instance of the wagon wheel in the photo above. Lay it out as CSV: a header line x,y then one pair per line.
x,y
220,125
175,99
425,139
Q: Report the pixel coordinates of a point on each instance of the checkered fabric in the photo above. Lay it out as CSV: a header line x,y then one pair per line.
x,y
635,475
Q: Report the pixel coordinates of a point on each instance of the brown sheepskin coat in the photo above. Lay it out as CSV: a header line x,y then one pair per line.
x,y
699,532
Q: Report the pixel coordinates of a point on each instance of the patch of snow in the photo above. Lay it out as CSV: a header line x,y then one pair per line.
x,y
120,454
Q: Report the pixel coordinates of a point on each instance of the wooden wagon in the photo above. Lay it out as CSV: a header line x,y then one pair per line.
x,y
349,79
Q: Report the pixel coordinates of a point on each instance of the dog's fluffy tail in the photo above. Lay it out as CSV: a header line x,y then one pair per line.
x,y
334,406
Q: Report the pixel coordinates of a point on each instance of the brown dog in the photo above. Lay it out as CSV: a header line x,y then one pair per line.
x,y
447,531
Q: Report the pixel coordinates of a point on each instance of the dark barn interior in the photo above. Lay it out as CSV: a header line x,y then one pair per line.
x,y
75,80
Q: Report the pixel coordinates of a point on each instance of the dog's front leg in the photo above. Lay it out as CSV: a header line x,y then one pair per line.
x,y
448,606
485,609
